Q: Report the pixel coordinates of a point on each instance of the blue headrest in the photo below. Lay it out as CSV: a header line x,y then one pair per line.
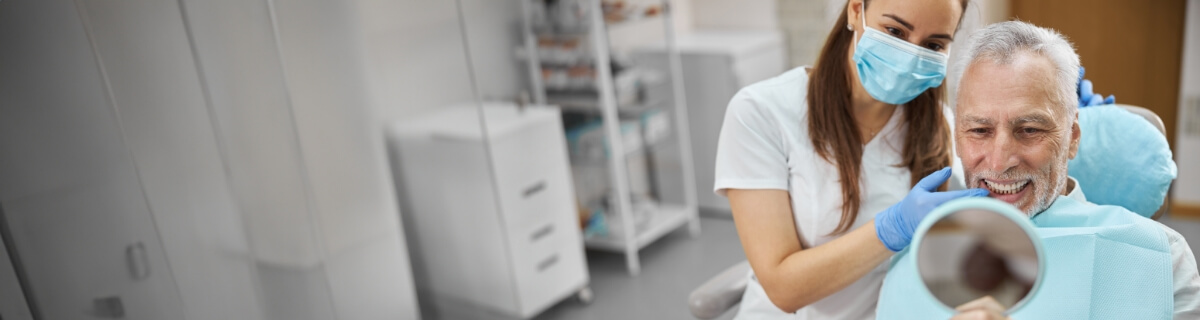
x,y
1123,160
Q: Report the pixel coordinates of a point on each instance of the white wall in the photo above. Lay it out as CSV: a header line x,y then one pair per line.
x,y
237,54
397,34
415,58
493,31
1187,135
144,50
289,87
341,144
805,23
735,14
255,144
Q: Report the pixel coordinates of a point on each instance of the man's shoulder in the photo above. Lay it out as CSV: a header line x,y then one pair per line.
x,y
1173,237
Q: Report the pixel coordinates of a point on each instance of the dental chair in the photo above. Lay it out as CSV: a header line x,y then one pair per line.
x,y
724,291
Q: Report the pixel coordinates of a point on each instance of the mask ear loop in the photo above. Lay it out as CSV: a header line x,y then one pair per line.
x,y
862,15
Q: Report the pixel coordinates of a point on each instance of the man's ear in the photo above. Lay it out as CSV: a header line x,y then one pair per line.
x,y
1075,134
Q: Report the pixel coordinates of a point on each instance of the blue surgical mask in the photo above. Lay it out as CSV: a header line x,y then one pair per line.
x,y
893,70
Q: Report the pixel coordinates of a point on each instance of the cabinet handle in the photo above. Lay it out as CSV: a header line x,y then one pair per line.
x,y
535,188
548,262
139,262
543,232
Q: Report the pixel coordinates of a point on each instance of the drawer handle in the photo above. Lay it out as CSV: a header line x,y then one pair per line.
x,y
535,188
548,262
543,232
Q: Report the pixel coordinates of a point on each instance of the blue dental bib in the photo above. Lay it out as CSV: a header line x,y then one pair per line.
x,y
1097,262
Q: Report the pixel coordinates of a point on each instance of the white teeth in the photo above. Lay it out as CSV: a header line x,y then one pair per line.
x,y
1006,188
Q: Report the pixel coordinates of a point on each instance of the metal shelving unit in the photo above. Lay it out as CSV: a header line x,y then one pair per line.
x,y
663,217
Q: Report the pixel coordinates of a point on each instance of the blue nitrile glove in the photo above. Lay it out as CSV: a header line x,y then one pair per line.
x,y
895,226
1087,98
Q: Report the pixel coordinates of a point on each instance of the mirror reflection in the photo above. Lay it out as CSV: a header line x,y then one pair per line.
x,y
971,254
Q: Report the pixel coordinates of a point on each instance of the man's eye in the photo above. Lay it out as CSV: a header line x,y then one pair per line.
x,y
978,130
1030,130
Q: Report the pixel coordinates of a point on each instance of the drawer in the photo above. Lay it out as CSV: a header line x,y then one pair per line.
x,y
533,179
548,264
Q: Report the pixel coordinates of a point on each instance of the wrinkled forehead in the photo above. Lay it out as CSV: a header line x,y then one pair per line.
x,y
1021,90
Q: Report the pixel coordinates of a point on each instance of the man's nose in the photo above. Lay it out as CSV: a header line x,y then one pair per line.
x,y
1003,154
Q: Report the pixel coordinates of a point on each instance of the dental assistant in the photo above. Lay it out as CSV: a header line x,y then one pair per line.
x,y
829,169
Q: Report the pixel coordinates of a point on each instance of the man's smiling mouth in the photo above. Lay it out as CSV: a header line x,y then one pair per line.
x,y
1006,188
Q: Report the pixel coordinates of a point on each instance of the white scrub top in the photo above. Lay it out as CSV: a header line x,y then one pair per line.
x,y
764,144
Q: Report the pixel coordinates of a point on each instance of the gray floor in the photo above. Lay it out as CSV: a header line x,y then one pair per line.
x,y
671,268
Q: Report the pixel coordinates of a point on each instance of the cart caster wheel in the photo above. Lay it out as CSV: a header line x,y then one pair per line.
x,y
584,295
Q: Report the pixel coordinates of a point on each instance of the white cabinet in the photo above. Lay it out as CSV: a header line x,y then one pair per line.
x,y
497,231
72,202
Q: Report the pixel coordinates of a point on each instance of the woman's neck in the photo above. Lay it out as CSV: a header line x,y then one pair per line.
x,y
871,115
866,107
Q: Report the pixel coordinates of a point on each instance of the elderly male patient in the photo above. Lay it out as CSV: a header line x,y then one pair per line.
x,y
1015,127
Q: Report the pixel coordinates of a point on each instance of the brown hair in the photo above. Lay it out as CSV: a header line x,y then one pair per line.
x,y
834,131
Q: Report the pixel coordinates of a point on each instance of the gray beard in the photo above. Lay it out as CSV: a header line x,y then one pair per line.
x,y
1043,201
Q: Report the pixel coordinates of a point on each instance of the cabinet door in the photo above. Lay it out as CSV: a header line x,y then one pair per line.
x,y
73,205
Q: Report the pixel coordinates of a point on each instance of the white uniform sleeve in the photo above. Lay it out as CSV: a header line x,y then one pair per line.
x,y
751,153
1186,278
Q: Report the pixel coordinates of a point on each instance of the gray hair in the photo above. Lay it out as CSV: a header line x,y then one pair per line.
x,y
1001,42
